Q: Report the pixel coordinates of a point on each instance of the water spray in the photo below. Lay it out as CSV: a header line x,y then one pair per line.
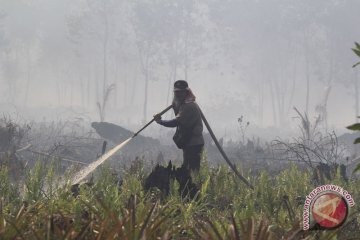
x,y
92,166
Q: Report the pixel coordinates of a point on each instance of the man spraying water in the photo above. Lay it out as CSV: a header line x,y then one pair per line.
x,y
188,123
189,127
188,135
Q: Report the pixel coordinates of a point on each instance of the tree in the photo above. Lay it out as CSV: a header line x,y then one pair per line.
x,y
356,50
259,35
94,32
275,45
147,25
170,34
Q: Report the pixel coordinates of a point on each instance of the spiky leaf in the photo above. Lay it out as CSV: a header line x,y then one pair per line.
x,y
356,64
357,45
357,168
356,51
355,127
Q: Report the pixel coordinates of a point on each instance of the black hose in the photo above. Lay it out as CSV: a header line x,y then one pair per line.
x,y
232,166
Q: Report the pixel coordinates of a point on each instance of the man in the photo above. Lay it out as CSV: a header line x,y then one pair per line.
x,y
189,125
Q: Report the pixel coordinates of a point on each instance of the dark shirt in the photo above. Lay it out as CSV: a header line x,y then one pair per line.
x,y
189,116
169,123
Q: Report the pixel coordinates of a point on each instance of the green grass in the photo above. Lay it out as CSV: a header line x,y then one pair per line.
x,y
225,209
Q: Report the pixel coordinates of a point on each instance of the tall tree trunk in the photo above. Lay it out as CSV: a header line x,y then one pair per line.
x,y
83,91
186,57
134,87
307,86
88,88
146,72
126,91
173,73
28,75
307,72
105,51
58,92
146,98
117,85
328,89
356,86
172,79
261,102
72,93
279,97
97,87
273,102
169,90
294,74
60,86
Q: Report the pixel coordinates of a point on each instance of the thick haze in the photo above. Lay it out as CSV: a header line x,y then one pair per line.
x,y
256,58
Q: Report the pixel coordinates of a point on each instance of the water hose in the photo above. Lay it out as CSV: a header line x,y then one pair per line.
x,y
161,113
232,166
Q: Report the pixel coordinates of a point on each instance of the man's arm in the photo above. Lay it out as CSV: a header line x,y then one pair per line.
x,y
169,123
166,123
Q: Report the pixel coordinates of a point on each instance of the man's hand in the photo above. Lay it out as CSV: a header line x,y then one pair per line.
x,y
157,117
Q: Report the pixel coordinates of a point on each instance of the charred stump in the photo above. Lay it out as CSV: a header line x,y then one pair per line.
x,y
161,176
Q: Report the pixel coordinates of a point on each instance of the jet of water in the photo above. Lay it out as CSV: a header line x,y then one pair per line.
x,y
86,171
91,167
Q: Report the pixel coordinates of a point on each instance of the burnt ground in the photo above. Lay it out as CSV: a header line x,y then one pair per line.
x,y
77,143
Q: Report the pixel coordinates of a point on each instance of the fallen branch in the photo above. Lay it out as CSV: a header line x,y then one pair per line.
x,y
63,159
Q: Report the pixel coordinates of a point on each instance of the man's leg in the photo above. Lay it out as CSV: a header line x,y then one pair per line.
x,y
192,157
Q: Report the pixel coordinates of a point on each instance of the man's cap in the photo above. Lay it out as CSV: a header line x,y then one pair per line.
x,y
180,85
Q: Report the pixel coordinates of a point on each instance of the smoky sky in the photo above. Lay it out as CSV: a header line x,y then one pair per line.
x,y
117,60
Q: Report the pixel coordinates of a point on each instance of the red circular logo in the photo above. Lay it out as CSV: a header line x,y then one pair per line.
x,y
329,210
